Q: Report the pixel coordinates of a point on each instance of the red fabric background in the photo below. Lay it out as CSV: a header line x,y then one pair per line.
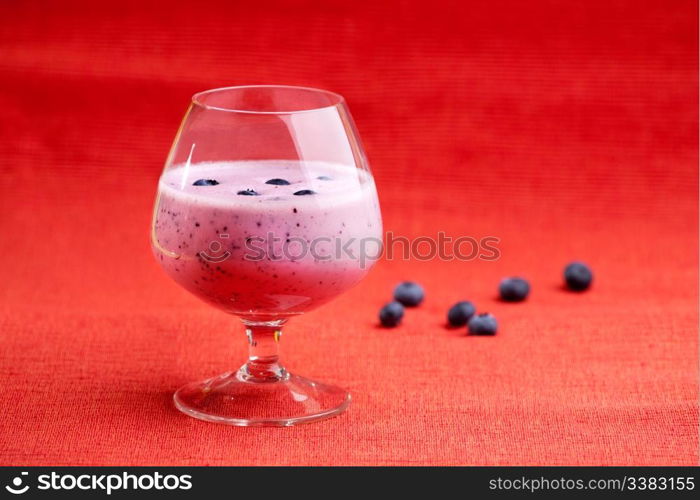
x,y
567,129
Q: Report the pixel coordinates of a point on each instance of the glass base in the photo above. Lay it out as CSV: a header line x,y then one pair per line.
x,y
234,399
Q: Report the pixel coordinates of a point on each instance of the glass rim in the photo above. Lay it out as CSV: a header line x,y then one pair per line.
x,y
197,99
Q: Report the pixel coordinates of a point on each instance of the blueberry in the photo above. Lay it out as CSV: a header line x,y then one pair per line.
x,y
409,294
304,192
483,324
324,178
391,314
578,276
205,182
248,192
278,182
514,289
459,314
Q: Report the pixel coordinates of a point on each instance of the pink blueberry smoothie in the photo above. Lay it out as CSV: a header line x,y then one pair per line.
x,y
266,239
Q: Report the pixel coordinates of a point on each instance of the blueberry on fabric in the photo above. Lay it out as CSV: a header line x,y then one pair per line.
x,y
483,324
278,182
514,289
205,182
304,192
409,294
578,276
460,313
248,192
390,315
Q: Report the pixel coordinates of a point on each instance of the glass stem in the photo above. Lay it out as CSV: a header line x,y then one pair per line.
x,y
263,352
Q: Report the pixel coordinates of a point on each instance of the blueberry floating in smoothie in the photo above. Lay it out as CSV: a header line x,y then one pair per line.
x,y
514,289
278,182
460,313
324,178
390,315
409,294
248,192
483,324
578,276
304,192
205,182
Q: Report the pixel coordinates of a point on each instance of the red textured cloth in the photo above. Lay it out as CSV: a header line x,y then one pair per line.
x,y
568,130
